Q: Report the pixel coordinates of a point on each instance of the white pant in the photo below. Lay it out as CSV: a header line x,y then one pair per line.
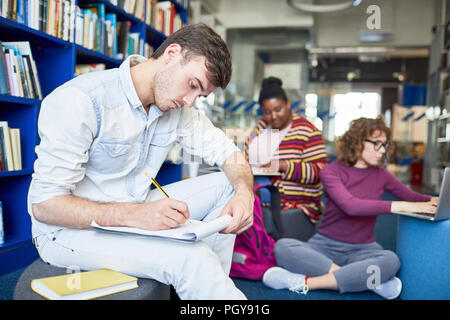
x,y
196,270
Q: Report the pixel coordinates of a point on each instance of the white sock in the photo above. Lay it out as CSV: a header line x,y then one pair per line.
x,y
390,289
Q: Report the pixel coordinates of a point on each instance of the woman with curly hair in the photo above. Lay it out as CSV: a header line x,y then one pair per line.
x,y
343,254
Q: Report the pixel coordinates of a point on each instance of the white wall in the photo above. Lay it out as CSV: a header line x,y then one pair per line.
x,y
247,67
261,14
410,21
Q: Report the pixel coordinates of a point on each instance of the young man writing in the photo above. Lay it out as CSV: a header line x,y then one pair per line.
x,y
102,131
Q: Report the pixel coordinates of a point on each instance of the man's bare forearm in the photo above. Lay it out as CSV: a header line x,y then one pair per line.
x,y
239,173
240,207
74,212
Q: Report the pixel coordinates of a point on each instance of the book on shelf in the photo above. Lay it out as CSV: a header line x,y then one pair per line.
x,y
135,44
4,80
97,24
139,10
123,30
18,72
111,34
90,67
6,146
167,20
10,59
133,7
10,148
79,19
16,148
2,229
10,73
148,50
2,154
151,12
83,285
88,31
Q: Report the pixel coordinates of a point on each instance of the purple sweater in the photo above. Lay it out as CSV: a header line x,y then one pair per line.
x,y
353,200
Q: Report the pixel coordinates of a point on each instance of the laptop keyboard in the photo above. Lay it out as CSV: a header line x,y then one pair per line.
x,y
425,214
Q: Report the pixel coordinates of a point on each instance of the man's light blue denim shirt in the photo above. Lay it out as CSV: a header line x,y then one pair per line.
x,y
97,141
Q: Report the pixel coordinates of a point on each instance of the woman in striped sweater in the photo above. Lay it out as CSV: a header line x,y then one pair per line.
x,y
288,142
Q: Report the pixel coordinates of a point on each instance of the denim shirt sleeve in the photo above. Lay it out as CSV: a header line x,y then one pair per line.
x,y
67,125
199,137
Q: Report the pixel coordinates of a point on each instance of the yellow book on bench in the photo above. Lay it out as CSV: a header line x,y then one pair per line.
x,y
83,285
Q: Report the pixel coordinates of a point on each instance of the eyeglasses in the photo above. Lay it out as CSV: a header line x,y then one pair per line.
x,y
378,144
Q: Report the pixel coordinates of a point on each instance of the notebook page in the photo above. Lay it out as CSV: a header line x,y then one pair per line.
x,y
194,231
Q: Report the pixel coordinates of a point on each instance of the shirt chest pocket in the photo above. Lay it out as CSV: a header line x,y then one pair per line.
x,y
160,145
111,157
115,150
163,140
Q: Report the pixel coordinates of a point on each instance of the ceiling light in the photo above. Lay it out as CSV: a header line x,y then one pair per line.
x,y
352,75
375,36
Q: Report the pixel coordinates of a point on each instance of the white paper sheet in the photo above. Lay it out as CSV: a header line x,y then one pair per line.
x,y
194,231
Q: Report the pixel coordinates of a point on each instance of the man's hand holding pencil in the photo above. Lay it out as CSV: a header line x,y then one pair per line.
x,y
161,214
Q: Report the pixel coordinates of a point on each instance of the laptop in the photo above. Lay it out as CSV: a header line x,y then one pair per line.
x,y
443,207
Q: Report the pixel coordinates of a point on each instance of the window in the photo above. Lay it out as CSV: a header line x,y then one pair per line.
x,y
311,110
349,106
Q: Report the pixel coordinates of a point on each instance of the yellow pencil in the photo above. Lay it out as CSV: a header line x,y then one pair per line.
x,y
157,185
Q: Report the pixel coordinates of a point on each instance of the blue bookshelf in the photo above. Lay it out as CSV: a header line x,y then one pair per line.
x,y
90,56
55,60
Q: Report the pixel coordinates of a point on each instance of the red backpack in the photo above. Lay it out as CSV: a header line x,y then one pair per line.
x,y
253,248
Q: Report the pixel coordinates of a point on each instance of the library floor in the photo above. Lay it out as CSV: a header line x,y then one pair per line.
x,y
254,290
8,283
385,231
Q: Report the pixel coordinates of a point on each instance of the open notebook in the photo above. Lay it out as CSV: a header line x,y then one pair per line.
x,y
194,231
258,171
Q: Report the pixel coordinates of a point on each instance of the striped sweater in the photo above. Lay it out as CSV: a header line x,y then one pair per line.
x,y
304,149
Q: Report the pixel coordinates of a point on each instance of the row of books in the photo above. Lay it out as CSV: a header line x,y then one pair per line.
x,y
10,148
54,17
100,31
89,67
95,29
58,17
123,3
164,17
18,72
134,7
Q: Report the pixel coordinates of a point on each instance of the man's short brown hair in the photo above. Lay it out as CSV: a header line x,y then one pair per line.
x,y
201,40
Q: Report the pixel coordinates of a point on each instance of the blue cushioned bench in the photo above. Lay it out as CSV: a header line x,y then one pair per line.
x,y
148,289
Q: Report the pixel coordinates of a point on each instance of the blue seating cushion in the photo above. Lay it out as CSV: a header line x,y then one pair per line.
x,y
148,289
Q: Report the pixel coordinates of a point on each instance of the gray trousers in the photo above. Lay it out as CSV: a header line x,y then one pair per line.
x,y
363,266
